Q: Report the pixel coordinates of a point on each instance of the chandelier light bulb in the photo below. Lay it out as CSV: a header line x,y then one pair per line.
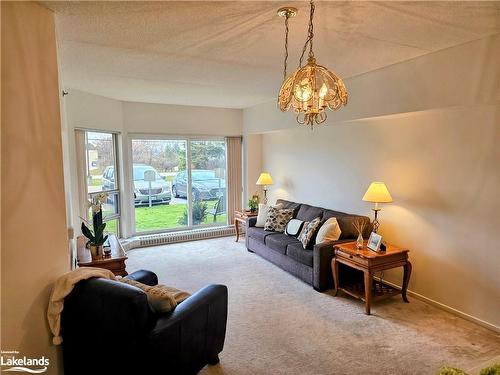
x,y
323,91
303,91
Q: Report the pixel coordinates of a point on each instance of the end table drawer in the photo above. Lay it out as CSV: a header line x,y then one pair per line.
x,y
353,258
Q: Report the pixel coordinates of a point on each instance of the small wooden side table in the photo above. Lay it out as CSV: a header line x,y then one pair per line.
x,y
369,262
240,217
115,262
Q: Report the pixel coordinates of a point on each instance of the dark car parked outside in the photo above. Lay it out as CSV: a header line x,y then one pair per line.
x,y
205,185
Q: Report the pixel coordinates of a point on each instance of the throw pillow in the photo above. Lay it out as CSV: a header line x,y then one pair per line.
x,y
307,234
294,227
306,223
329,231
263,214
277,219
161,298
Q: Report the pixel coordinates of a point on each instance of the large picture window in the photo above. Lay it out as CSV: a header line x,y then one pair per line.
x,y
178,183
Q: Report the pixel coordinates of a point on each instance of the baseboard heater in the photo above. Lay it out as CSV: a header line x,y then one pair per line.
x,y
180,236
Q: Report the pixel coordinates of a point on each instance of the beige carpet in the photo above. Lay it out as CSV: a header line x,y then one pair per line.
x,y
280,325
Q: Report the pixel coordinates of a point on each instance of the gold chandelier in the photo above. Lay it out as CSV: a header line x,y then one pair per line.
x,y
311,88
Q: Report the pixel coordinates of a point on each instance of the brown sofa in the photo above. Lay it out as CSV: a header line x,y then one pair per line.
x,y
312,265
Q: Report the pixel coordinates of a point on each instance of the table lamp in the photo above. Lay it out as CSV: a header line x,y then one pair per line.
x,y
377,192
264,180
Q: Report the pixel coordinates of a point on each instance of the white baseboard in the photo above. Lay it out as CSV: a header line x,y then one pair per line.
x,y
449,309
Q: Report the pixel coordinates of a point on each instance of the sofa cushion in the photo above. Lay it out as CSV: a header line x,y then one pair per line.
x,y
308,234
347,227
304,227
331,213
277,219
294,227
298,253
259,233
345,223
263,214
329,231
279,242
289,204
309,213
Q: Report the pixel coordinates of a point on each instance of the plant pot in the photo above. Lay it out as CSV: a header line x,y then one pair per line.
x,y
96,252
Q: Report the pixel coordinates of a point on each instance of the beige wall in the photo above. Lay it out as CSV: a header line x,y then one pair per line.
x,y
441,168
34,238
440,160
252,166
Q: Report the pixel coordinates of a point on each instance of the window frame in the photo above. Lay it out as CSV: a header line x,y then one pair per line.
x,y
116,170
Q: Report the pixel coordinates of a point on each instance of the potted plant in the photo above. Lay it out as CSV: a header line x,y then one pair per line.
x,y
253,203
96,237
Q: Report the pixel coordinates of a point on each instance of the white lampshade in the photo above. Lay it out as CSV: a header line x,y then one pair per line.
x,y
377,192
264,179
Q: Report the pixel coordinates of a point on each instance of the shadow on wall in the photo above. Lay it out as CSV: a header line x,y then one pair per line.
x,y
283,188
287,186
425,198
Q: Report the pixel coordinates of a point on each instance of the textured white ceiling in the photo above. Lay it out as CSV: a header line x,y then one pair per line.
x,y
230,54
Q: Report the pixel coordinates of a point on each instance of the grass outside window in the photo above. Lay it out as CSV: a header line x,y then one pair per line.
x,y
166,216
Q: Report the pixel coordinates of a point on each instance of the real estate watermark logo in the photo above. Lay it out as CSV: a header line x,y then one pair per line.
x,y
11,361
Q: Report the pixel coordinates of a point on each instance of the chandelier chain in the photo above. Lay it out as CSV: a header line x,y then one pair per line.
x,y
310,35
286,46
311,30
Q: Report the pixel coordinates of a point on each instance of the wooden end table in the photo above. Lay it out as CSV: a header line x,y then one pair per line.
x,y
115,262
369,262
241,217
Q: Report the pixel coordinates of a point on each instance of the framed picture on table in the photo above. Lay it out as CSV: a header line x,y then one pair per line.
x,y
374,241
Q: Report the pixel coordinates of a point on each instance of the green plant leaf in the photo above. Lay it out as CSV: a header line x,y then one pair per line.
x,y
87,232
100,230
492,370
99,239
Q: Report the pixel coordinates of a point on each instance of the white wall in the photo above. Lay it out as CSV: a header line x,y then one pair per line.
x,y
182,120
88,111
430,129
458,76
34,237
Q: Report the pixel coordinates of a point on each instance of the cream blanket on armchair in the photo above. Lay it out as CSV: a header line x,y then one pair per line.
x,y
62,287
